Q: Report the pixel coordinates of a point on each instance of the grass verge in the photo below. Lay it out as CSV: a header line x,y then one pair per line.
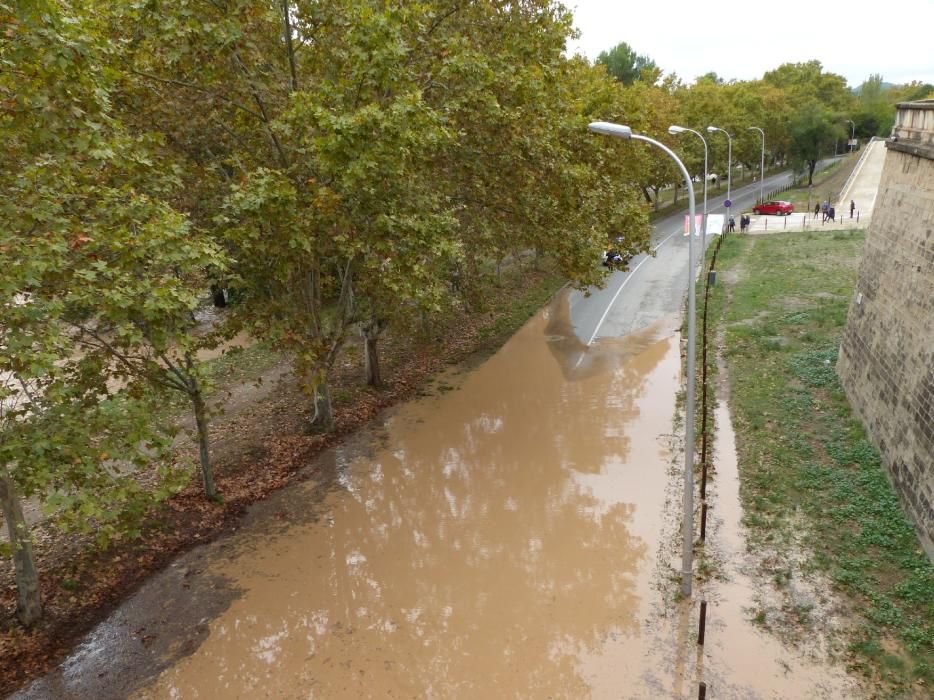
x,y
809,475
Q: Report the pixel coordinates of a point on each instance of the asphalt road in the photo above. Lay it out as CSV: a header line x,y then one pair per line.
x,y
654,287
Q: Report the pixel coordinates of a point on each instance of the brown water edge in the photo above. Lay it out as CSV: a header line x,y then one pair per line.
x,y
491,539
740,659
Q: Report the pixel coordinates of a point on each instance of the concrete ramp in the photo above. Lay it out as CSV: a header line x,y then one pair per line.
x,y
861,188
864,185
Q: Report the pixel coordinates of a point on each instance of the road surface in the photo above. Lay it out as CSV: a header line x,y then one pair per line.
x,y
654,287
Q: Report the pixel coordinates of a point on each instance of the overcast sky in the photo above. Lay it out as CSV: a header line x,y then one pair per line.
x,y
743,39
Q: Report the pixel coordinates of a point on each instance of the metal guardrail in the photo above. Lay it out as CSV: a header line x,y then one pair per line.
x,y
771,194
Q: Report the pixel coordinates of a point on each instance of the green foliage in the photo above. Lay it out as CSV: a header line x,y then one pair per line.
x,y
99,275
370,170
624,64
812,130
807,83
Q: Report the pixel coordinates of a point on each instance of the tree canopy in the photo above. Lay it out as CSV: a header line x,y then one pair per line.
x,y
343,167
627,66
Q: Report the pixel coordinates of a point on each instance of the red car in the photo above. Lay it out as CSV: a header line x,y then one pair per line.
x,y
777,207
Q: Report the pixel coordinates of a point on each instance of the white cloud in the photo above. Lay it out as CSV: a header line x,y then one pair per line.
x,y
742,39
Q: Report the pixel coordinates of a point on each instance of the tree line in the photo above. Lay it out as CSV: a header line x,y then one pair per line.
x,y
339,167
805,112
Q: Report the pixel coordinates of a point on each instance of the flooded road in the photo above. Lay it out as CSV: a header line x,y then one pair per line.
x,y
496,535
513,535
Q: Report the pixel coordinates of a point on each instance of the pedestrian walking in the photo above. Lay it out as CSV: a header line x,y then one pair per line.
x,y
732,228
852,208
816,209
831,213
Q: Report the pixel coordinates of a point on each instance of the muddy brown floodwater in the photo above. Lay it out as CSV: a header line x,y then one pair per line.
x,y
510,536
493,536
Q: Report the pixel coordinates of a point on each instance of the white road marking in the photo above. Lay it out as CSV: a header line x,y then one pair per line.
x,y
615,296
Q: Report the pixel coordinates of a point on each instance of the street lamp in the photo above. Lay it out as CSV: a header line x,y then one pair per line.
x,y
729,163
687,553
761,160
852,133
673,130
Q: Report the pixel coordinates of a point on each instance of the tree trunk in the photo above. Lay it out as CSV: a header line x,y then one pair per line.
x,y
645,193
371,356
811,165
28,601
290,47
201,420
655,190
676,194
371,333
324,413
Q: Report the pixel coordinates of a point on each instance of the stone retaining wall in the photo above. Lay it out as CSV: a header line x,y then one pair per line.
x,y
886,360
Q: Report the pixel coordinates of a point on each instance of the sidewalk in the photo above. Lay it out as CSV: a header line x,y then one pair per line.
x,y
862,190
805,222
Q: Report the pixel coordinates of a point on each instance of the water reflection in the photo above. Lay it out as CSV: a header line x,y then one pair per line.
x,y
486,543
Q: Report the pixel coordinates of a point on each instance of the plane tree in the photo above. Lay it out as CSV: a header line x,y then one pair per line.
x,y
71,434
368,155
812,131
807,82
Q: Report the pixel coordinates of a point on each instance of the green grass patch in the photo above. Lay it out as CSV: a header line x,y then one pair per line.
x,y
805,460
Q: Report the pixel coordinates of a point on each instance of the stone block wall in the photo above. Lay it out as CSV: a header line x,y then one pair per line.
x,y
886,360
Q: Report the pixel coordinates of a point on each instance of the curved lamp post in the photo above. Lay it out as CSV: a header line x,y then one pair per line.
x,y
729,163
761,160
674,130
624,132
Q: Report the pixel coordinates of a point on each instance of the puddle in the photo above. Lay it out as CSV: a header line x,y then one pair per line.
x,y
740,659
491,538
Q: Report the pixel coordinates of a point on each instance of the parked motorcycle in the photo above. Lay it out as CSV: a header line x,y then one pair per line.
x,y
614,258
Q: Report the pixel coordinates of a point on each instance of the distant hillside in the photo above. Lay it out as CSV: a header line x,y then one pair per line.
x,y
883,86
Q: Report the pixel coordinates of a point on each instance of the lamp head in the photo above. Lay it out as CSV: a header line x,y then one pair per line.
x,y
610,129
676,129
712,129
